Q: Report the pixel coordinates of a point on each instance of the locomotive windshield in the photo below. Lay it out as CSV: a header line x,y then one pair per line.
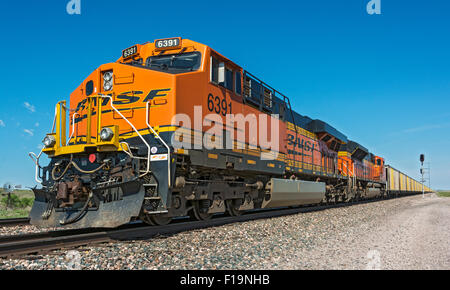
x,y
175,63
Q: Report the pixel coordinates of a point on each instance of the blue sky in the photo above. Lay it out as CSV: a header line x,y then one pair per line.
x,y
383,80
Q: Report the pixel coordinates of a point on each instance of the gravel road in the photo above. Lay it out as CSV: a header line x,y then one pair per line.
x,y
403,233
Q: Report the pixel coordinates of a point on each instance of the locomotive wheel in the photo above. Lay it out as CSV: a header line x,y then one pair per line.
x,y
160,219
331,200
198,212
232,209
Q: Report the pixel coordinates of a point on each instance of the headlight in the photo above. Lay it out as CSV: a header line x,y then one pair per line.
x,y
107,76
107,86
49,141
107,80
106,134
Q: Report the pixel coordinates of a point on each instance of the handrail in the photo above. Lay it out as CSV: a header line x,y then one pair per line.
x,y
73,127
37,157
134,128
285,100
61,123
60,133
263,83
160,139
54,119
349,170
36,162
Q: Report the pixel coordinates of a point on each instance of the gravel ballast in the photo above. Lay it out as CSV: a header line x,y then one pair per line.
x,y
404,233
24,229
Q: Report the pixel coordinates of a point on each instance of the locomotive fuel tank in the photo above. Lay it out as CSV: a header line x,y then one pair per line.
x,y
286,192
372,192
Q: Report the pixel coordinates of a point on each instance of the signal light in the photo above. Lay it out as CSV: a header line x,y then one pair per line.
x,y
92,158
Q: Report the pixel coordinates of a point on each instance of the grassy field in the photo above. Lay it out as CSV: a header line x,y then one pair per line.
x,y
444,193
20,203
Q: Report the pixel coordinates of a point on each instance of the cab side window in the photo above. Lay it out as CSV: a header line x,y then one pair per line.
x,y
237,77
214,70
225,76
228,79
220,74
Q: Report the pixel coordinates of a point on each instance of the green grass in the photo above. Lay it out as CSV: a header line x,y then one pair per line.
x,y
20,193
444,193
20,203
14,213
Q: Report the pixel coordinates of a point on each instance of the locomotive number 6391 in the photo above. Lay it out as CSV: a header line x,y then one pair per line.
x,y
219,105
167,43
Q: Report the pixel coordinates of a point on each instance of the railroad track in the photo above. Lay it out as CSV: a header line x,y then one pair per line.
x,y
39,243
14,222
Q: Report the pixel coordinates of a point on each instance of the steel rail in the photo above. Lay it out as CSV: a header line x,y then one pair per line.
x,y
14,222
16,245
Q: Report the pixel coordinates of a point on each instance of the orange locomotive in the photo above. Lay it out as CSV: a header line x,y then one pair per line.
x,y
174,128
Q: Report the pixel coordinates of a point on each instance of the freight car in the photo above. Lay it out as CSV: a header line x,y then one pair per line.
x,y
399,183
174,128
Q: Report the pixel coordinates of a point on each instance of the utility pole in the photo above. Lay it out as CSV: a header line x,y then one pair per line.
x,y
422,159
8,188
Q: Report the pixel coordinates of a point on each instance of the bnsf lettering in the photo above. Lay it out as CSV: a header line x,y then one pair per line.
x,y
82,105
297,153
127,98
156,93
301,143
